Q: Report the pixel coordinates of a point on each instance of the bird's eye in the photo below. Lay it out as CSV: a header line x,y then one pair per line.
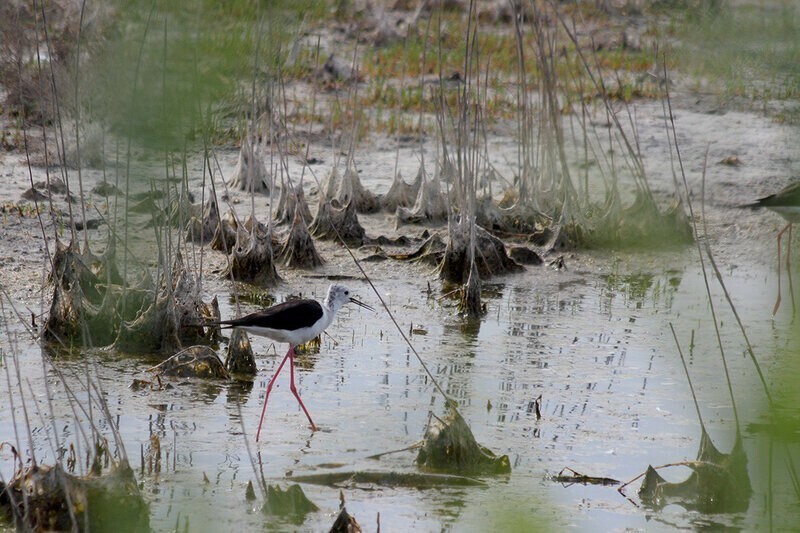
x,y
347,293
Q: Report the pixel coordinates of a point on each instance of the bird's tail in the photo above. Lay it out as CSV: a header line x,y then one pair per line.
x,y
223,324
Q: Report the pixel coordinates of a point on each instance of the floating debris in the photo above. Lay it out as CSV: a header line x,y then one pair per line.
x,y
47,498
193,362
345,522
415,480
577,477
291,502
719,483
450,446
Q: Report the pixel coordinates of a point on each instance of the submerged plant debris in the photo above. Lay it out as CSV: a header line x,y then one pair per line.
x,y
450,446
576,477
292,503
240,359
719,482
368,479
193,362
48,498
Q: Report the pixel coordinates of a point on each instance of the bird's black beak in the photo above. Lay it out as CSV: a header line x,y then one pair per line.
x,y
361,304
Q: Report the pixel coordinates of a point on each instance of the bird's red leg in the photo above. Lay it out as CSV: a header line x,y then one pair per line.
x,y
294,390
778,301
269,388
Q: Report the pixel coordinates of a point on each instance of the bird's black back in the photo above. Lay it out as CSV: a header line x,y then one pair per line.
x,y
291,315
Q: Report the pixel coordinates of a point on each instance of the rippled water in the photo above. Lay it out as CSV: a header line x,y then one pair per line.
x,y
593,340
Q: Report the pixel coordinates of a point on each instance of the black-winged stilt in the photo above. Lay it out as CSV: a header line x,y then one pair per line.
x,y
786,203
294,322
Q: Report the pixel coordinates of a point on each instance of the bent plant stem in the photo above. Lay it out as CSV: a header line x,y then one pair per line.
x,y
414,446
689,464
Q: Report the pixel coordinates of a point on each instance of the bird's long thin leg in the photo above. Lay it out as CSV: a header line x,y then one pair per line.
x,y
778,301
269,388
294,390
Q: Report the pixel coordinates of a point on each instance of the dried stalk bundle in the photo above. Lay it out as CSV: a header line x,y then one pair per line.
x,y
400,194
719,482
226,233
202,230
292,200
48,498
429,206
352,192
170,317
251,259
251,173
489,252
642,224
298,251
470,302
331,219
290,502
86,297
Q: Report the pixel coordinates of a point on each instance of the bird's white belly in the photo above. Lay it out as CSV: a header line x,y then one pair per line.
x,y
293,337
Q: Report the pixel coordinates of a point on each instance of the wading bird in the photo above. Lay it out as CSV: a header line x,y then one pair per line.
x,y
294,322
786,203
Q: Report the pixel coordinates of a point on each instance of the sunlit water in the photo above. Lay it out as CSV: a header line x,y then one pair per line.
x,y
593,340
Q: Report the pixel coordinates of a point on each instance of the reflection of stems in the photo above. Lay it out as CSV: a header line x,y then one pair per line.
x,y
262,485
394,321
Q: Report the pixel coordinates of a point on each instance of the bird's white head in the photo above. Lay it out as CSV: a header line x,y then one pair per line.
x,y
338,295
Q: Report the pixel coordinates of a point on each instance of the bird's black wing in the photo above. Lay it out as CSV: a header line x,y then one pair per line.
x,y
291,315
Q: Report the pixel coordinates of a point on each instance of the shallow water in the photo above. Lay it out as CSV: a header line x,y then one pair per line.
x,y
593,340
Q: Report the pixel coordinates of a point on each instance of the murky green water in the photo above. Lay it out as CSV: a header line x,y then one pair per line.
x,y
593,340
